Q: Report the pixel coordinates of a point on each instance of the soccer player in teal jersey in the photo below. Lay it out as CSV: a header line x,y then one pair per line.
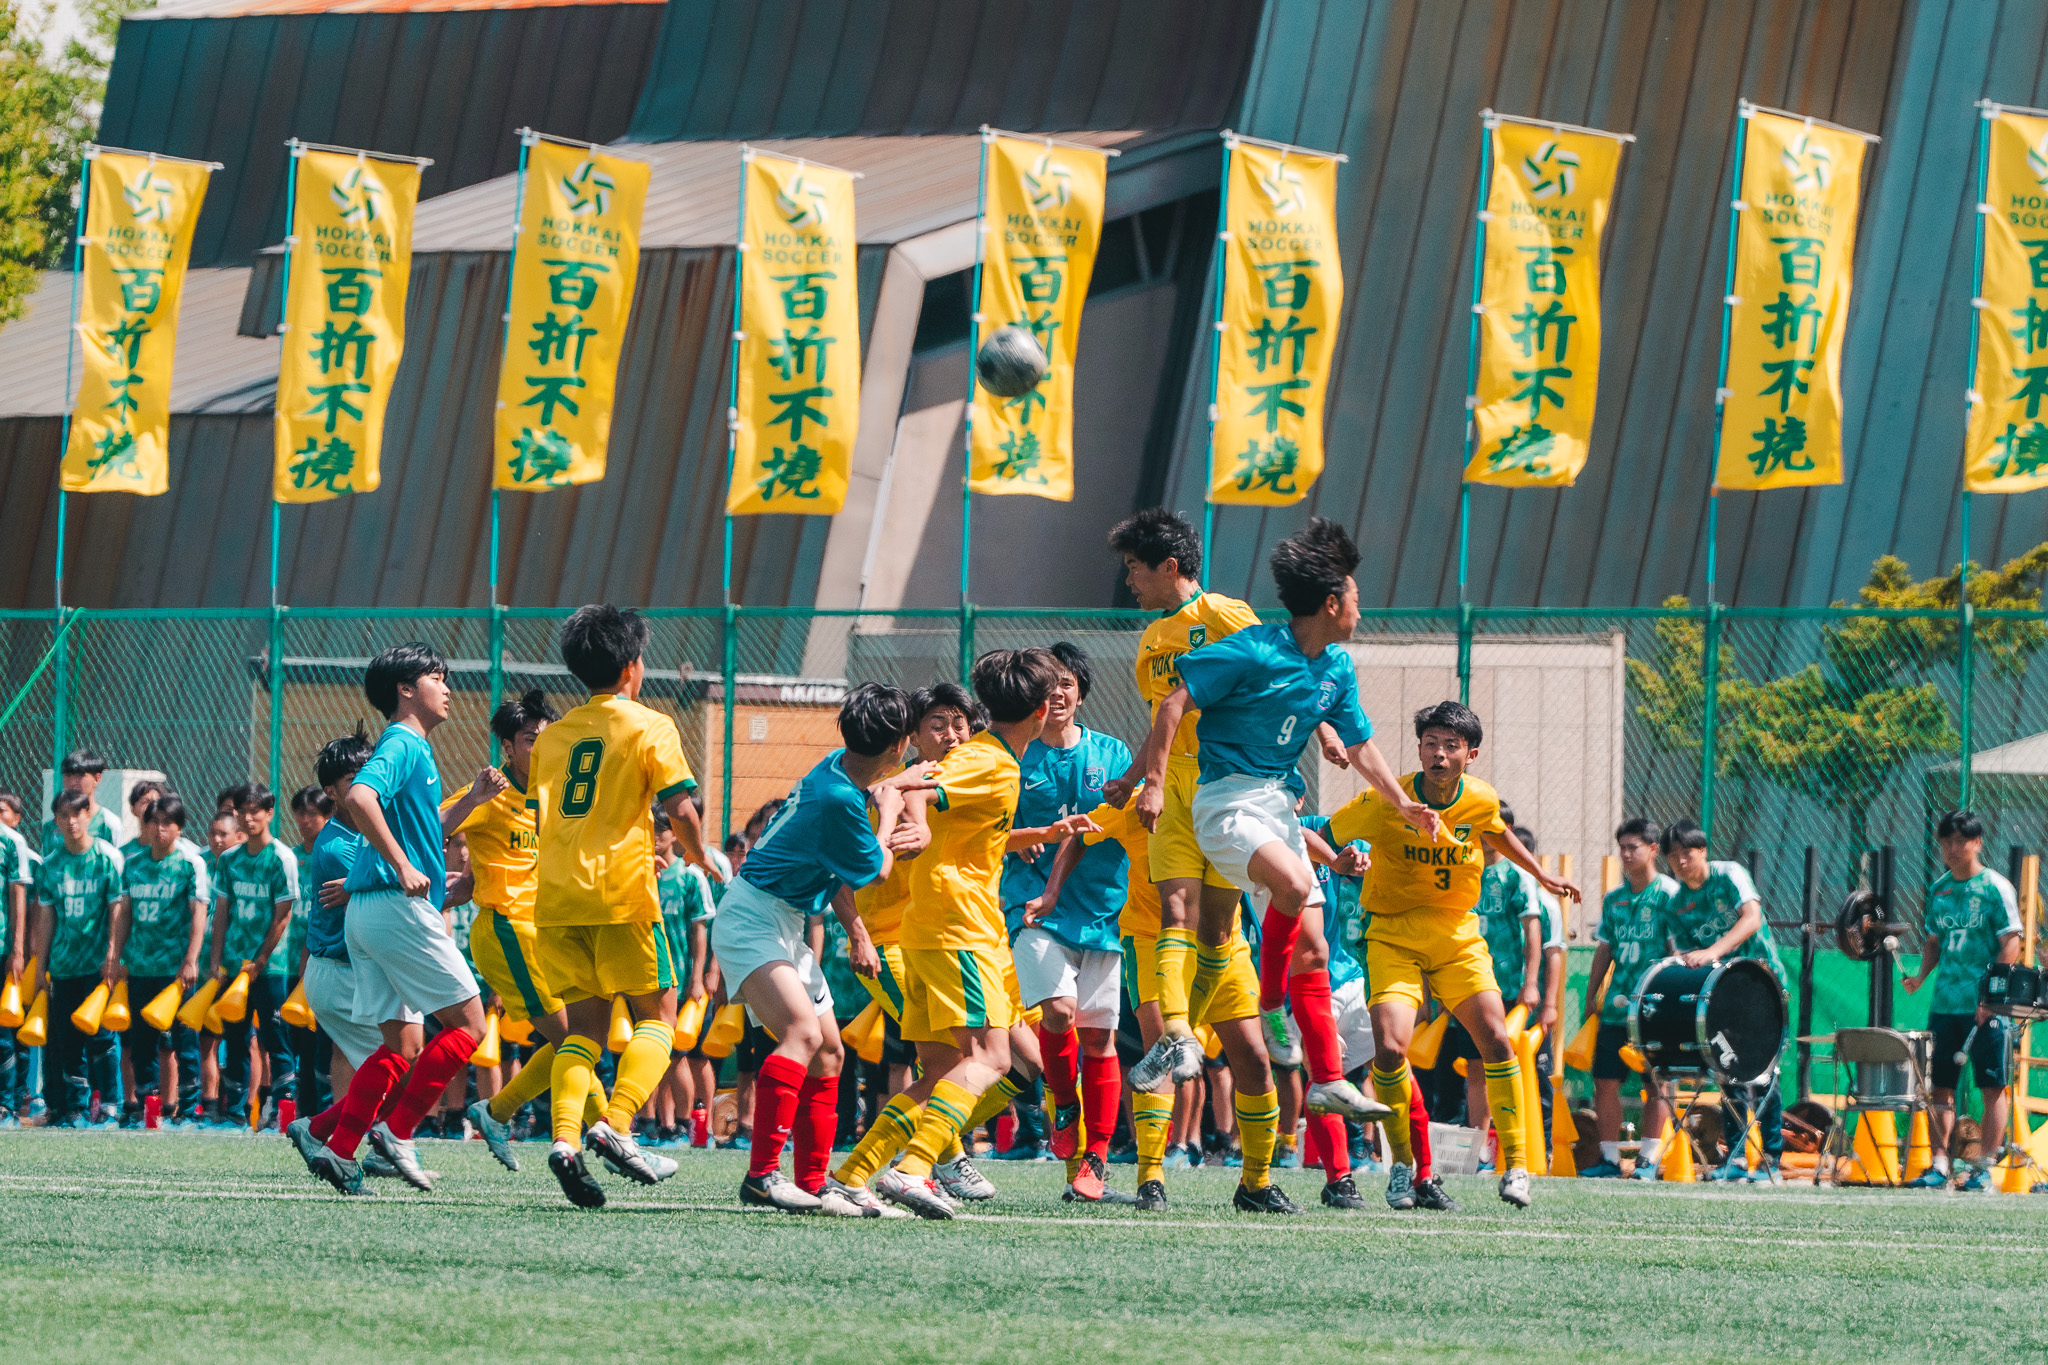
x,y
141,797
18,863
1972,920
80,771
1633,926
1716,914
686,908
161,924
73,938
257,888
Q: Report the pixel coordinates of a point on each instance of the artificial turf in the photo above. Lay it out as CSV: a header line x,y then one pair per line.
x,y
182,1246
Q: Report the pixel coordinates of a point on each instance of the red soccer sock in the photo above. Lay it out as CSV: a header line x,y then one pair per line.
x,y
817,1123
1062,1052
1418,1129
1317,1020
1312,1146
1102,1088
322,1124
373,1080
431,1071
1276,955
1328,1139
776,1088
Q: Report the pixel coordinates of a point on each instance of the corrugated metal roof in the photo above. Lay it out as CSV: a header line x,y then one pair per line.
x,y
748,69
214,367
227,9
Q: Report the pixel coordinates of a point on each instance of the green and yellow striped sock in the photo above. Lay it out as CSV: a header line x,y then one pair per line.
x,y
945,1116
889,1134
1258,1129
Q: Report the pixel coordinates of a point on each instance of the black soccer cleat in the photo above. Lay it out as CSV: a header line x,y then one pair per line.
x,y
1341,1193
1270,1199
577,1183
1151,1197
1430,1194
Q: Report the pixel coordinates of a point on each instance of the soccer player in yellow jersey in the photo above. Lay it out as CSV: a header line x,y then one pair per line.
x,y
1420,892
595,776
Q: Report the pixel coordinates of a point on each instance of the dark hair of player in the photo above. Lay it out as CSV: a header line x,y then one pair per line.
x,y
1507,813
312,799
145,791
758,821
1156,535
257,797
1311,566
1012,683
166,810
600,642
661,821
1460,719
1960,822
82,763
400,666
1074,660
1682,834
15,804
1526,835
342,757
512,717
873,718
68,802
231,797
1639,827
949,696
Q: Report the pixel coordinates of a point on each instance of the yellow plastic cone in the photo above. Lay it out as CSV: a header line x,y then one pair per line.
x,y
11,1012
2014,1176
1458,1065
160,1012
1563,1132
870,1049
233,1005
1427,1042
295,1011
200,1005
1578,1053
724,1034
486,1053
117,1018
1676,1159
1919,1150
621,1031
519,1032
1874,1156
86,1018
35,1027
690,1022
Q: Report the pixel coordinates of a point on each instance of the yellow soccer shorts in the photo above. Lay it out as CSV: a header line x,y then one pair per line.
x,y
1174,852
1444,950
886,985
1237,994
586,961
951,988
506,953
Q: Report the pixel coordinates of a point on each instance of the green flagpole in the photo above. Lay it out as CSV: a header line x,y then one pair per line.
x,y
1219,273
527,137
974,320
291,198
730,653
60,711
1966,625
1487,123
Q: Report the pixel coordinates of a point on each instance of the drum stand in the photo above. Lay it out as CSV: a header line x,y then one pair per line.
x,y
1753,1099
2007,1148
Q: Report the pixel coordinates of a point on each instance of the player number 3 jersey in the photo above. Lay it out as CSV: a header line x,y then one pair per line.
x,y
1410,871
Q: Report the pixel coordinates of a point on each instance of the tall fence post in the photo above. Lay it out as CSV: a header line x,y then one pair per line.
x,y
966,643
1967,668
729,683
497,682
60,710
1465,653
1710,723
277,611
1809,926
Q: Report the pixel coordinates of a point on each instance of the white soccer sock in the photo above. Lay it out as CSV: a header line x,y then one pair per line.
x,y
1941,1163
1652,1147
1610,1152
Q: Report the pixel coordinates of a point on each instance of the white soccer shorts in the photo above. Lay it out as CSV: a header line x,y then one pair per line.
x,y
753,929
1235,817
1048,969
331,992
406,964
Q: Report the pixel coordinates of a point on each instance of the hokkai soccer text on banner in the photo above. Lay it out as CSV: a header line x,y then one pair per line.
x,y
345,286
1539,327
1283,291
139,216
799,350
1041,219
2007,448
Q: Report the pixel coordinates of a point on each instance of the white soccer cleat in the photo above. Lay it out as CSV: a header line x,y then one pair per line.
x,y
1154,1071
1342,1097
962,1183
402,1155
913,1192
862,1198
1187,1059
777,1191
1400,1186
832,1204
1283,1040
622,1155
1514,1188
497,1136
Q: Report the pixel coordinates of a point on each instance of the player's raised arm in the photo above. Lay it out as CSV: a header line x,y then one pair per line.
x,y
1508,846
1150,764
1370,764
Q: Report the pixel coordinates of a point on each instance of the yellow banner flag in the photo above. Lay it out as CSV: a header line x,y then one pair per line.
x,y
799,350
1283,290
574,261
2007,450
1781,426
1041,216
1539,326
345,281
139,216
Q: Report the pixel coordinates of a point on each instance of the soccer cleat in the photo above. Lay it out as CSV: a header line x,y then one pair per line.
x,y
1342,1097
1283,1043
1187,1059
1268,1199
1066,1130
1979,1181
862,1198
1729,1171
1766,1173
962,1183
577,1183
300,1131
832,1204
1087,1185
1151,1197
1430,1194
913,1192
345,1175
1287,1158
1124,1156
403,1155
1931,1179
1176,1159
1400,1186
1514,1188
622,1155
1601,1170
777,1191
497,1136
1342,1193
1171,1060
1645,1170
377,1166
1022,1151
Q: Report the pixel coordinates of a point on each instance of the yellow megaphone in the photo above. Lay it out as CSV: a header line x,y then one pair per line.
x,y
486,1053
214,1023
233,1005
515,1032
117,1018
862,1028
690,1022
1518,1019
1578,1053
295,1011
196,1009
1428,1041
86,1018
35,1029
11,1012
724,1034
161,1012
1631,1054
621,1032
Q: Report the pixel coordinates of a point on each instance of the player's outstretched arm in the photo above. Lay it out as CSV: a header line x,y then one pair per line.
x,y
1379,774
1063,864
489,785
1319,850
1034,837
688,829
860,949
1149,764
1508,846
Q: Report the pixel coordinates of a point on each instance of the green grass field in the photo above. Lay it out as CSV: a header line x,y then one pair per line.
x,y
176,1247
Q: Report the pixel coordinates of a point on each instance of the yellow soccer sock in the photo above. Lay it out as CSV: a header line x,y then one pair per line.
x,y
889,1134
1258,1128
526,1087
1174,948
1391,1089
945,1116
595,1103
641,1067
994,1101
953,1153
1152,1117
1210,965
570,1077
1504,1098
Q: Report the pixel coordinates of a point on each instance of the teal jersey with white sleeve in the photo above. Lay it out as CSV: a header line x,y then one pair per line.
x,y
101,826
1633,925
1698,916
18,864
685,895
1343,927
80,889
1971,918
160,894
1052,784
1504,905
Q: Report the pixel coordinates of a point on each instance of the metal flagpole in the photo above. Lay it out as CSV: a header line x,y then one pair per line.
x,y
1966,666
1220,273
297,149
60,680
1487,123
974,321
527,137
730,651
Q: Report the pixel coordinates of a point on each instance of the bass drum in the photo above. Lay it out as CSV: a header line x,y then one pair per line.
x,y
1726,1019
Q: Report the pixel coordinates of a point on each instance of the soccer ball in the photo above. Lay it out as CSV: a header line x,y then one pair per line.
x,y
1011,363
